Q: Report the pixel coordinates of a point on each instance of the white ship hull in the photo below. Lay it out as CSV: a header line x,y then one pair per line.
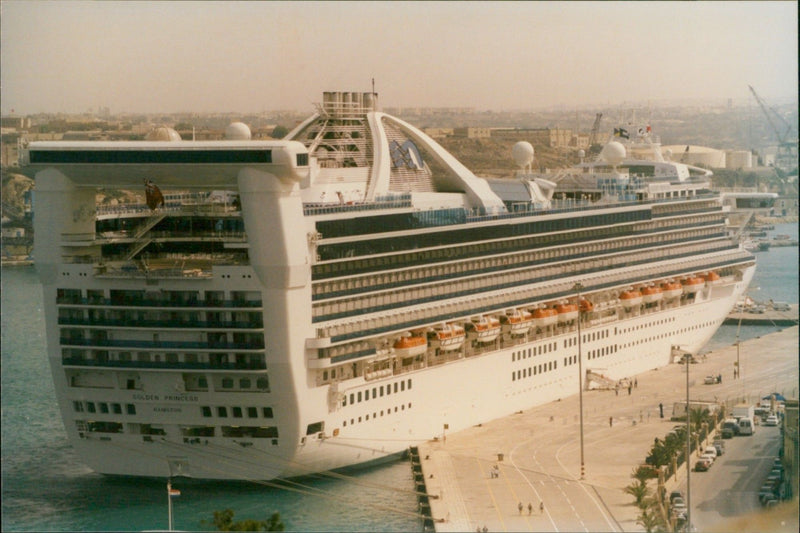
x,y
390,424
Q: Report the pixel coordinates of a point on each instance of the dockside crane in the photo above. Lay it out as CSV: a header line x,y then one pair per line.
x,y
786,158
594,147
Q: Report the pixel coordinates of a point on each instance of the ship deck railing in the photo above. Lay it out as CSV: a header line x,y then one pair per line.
x,y
162,345
157,365
425,296
482,304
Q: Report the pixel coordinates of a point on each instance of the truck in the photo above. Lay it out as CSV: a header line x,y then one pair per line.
x,y
744,410
679,408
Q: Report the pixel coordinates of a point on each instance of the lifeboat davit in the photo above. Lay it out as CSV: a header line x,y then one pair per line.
x,y
693,284
544,317
410,345
652,294
567,312
671,290
519,321
585,306
487,328
448,336
712,278
630,298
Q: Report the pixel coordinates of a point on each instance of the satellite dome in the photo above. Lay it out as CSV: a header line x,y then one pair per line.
x,y
522,152
162,133
237,131
668,153
581,153
613,153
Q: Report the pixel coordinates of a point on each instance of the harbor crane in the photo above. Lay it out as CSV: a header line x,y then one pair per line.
x,y
786,158
594,147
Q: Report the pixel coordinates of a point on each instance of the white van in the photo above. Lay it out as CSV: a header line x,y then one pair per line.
x,y
746,426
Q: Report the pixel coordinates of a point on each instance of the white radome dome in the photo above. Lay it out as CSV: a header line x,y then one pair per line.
x,y
613,153
522,152
163,133
238,131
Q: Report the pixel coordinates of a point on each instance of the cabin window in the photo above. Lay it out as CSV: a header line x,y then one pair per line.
x,y
267,412
103,407
316,427
131,409
237,412
252,412
222,412
117,408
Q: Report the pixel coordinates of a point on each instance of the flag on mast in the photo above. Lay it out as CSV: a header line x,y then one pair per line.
x,y
174,492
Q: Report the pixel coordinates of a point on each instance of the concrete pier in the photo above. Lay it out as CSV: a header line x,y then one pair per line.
x,y
488,475
769,317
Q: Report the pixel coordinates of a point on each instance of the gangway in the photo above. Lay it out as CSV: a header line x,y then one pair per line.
x,y
596,380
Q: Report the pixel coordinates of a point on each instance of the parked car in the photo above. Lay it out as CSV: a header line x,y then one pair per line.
x,y
727,433
781,306
710,457
771,420
675,494
719,446
712,451
732,424
702,465
711,380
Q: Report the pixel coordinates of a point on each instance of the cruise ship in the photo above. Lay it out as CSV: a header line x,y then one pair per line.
x,y
293,306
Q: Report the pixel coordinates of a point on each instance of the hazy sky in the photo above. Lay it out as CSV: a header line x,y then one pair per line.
x,y
253,56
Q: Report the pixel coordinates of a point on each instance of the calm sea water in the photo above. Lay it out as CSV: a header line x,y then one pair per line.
x,y
46,488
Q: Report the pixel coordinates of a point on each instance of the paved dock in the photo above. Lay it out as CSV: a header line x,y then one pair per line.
x,y
540,447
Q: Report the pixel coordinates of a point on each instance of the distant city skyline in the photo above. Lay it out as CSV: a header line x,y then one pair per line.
x,y
203,57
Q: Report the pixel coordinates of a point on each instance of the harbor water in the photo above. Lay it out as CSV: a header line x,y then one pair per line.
x,y
46,488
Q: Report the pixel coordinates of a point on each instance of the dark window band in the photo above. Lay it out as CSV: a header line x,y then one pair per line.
x,y
151,156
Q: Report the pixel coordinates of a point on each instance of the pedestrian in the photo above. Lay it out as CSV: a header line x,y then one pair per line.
x,y
616,390
629,390
610,421
520,507
541,507
661,410
648,416
530,508
635,383
485,529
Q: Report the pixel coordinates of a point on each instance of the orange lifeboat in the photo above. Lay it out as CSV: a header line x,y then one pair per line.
x,y
671,290
487,328
630,298
410,345
585,306
652,294
448,336
543,317
519,321
712,278
693,284
566,312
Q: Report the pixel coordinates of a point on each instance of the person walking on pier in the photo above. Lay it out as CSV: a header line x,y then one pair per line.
x,y
520,507
610,421
541,507
530,508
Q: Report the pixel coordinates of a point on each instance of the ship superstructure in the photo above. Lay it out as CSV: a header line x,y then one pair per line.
x,y
331,298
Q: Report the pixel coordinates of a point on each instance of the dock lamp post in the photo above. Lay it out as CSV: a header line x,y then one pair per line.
x,y
687,358
578,287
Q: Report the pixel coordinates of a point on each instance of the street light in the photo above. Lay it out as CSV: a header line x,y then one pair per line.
x,y
578,287
687,357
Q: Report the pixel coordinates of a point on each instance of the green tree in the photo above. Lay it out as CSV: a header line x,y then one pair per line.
x,y
649,520
638,490
279,132
223,521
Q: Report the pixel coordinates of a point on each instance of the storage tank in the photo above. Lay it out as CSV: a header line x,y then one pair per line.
x,y
738,159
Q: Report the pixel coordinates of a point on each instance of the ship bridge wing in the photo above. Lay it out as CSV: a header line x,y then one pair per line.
x,y
179,164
